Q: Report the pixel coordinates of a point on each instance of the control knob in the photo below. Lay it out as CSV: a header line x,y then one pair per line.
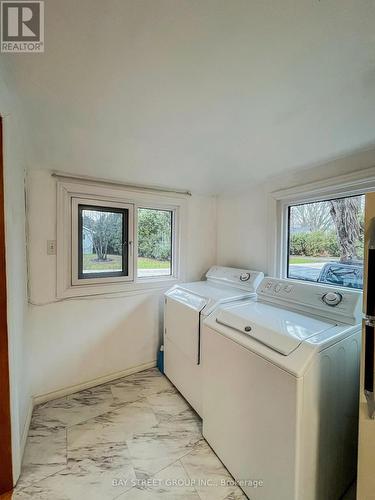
x,y
332,298
244,276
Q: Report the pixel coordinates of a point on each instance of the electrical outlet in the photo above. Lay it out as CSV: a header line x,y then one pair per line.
x,y
51,247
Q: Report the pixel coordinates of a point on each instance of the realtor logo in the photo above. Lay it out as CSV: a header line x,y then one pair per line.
x,y
22,26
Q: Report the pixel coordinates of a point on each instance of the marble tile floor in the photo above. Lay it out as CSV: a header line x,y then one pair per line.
x,y
132,439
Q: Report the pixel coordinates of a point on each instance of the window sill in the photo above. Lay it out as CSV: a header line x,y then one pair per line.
x,y
143,285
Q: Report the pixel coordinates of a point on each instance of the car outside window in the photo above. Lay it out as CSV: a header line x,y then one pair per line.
x,y
326,241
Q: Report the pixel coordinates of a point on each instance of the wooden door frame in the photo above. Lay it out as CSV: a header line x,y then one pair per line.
x,y
6,473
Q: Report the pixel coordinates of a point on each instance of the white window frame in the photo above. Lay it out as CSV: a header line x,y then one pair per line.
x,y
70,193
353,184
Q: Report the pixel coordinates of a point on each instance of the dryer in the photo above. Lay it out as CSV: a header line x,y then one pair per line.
x,y
186,305
281,392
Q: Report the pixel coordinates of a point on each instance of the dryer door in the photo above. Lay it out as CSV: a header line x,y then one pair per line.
x,y
182,322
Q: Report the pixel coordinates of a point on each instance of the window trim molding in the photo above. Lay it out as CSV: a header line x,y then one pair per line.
x,y
93,191
279,201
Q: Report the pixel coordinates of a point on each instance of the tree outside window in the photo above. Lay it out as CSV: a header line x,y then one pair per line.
x,y
326,240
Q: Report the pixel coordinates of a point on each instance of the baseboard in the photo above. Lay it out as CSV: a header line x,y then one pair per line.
x,y
66,391
17,460
26,427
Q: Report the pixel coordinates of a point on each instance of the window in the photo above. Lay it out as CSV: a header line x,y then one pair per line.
x,y
112,239
326,241
102,242
155,228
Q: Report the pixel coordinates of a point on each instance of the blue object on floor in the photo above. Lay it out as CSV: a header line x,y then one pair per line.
x,y
160,359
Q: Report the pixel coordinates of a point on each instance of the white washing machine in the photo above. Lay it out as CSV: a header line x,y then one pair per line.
x,y
186,305
281,392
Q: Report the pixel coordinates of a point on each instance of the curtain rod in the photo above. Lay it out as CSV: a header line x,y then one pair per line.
x,y
119,183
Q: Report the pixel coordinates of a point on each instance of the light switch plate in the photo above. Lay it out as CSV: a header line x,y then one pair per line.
x,y
51,247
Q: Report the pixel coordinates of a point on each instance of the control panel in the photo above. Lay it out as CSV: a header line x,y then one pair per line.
x,y
341,304
240,278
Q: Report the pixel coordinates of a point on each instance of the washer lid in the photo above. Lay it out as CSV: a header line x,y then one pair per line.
x,y
188,299
206,295
280,329
216,292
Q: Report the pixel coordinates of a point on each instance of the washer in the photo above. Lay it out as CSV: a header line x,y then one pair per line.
x,y
186,305
281,390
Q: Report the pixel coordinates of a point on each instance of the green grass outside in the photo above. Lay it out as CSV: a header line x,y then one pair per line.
x,y
144,263
301,259
114,263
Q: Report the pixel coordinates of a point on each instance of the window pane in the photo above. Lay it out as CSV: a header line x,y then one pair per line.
x,y
326,241
154,242
102,233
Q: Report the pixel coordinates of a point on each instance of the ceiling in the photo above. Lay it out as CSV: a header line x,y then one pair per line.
x,y
205,95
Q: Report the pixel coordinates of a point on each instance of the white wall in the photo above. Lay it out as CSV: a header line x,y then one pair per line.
x,y
243,219
79,340
14,166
